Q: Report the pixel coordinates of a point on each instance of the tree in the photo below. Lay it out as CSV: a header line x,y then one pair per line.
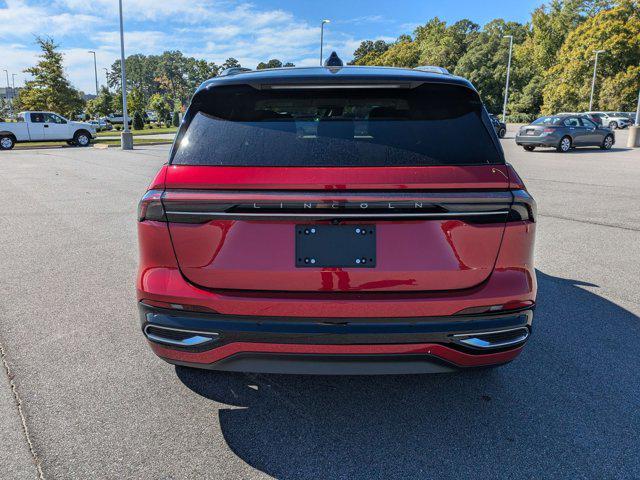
x,y
175,120
136,101
159,104
485,61
615,30
50,89
138,121
230,63
550,24
368,52
102,105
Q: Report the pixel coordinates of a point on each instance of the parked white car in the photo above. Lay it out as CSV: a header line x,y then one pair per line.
x,y
44,127
118,118
611,119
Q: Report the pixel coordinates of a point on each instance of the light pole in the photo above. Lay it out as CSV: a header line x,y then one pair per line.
x,y
95,69
322,39
7,94
126,139
593,81
506,88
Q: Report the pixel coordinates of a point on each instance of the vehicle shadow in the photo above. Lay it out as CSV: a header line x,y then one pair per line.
x,y
567,408
580,150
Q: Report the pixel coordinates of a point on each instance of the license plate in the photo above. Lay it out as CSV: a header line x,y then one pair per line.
x,y
352,246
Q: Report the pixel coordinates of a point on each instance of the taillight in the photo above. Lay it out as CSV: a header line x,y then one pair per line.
x,y
150,207
523,208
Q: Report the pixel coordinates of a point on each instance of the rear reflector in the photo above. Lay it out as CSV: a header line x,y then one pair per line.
x,y
509,306
178,306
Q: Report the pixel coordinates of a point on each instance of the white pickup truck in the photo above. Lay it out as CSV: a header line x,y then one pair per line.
x,y
44,127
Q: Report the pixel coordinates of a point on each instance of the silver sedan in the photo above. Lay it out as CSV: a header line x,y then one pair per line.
x,y
564,132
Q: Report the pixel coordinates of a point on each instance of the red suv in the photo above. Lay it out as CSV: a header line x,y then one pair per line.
x,y
336,220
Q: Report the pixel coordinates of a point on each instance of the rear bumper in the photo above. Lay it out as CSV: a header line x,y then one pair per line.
x,y
538,141
335,345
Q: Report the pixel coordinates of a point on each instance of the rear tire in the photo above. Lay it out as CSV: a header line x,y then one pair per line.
x,y
502,132
82,138
7,142
529,148
607,143
565,145
613,125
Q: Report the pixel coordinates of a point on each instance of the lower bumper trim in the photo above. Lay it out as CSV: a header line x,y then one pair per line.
x,y
209,358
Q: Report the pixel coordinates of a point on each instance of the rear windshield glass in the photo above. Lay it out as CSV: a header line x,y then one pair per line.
x,y
547,121
432,124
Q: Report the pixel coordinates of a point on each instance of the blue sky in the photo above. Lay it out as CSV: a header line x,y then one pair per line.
x,y
217,29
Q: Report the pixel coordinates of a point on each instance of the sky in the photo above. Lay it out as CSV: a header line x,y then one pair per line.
x,y
250,31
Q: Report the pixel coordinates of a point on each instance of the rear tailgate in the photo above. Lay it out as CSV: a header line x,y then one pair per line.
x,y
235,228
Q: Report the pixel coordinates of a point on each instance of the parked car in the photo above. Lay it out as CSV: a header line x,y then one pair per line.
x,y
498,126
151,116
376,242
44,127
611,119
564,132
101,125
118,119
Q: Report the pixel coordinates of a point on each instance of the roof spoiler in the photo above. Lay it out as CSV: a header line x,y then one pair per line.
x,y
433,69
234,71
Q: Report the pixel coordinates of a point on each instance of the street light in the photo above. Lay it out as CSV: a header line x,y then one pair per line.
x,y
126,139
322,39
506,88
593,81
95,69
7,94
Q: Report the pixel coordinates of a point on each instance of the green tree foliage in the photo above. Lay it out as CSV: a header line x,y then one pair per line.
x,y
444,45
138,121
273,63
552,55
102,105
175,120
615,30
369,52
230,63
136,101
49,89
485,61
170,74
159,104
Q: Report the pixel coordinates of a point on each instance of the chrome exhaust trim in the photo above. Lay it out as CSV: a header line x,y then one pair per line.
x,y
191,339
494,339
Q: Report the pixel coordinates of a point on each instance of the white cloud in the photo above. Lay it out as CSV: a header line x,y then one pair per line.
x,y
210,29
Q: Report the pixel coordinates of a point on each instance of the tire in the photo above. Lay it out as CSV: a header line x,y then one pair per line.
x,y
529,148
82,138
502,132
7,142
613,125
607,143
565,144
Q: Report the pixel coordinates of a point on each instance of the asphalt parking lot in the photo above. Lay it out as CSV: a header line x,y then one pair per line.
x,y
98,404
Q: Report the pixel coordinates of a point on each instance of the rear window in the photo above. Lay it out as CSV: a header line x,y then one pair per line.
x,y
433,124
547,121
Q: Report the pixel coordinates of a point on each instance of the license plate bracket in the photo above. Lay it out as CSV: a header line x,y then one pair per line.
x,y
347,246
